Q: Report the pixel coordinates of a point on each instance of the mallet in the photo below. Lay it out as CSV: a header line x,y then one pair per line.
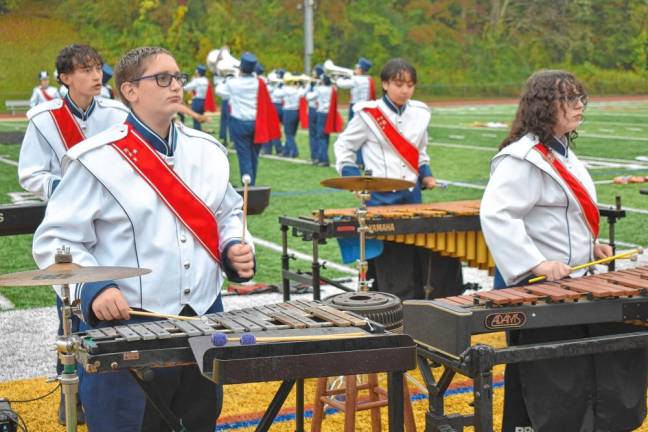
x,y
221,339
246,179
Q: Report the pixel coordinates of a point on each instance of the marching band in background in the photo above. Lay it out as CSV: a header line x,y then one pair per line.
x,y
43,92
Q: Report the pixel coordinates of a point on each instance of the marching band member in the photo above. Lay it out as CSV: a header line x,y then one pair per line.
x,y
391,134
311,97
290,94
199,86
539,216
223,128
58,125
106,89
155,194
322,95
253,120
361,84
44,92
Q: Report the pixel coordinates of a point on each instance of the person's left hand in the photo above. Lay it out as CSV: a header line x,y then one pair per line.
x,y
241,259
602,250
428,182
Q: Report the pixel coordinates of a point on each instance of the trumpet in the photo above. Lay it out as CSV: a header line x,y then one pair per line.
x,y
336,72
222,63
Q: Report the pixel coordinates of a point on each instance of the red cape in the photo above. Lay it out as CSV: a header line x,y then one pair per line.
x,y
334,122
303,113
266,127
210,101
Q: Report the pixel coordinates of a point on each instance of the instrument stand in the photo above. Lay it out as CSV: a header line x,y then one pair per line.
x,y
361,214
143,378
66,347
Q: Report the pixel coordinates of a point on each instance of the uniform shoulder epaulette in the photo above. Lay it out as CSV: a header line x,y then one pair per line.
x,y
364,104
110,103
45,106
200,134
419,105
108,136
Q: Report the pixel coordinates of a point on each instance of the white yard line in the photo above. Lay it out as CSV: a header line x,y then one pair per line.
x,y
8,161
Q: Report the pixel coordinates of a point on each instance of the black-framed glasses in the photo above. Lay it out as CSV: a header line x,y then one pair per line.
x,y
572,101
164,79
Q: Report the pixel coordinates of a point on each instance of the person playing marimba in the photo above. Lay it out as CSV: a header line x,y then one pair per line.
x,y
155,194
539,217
391,133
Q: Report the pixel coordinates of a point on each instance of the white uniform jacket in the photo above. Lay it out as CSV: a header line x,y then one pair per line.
x,y
528,213
290,96
39,165
359,85
110,216
242,93
379,156
38,98
199,86
322,97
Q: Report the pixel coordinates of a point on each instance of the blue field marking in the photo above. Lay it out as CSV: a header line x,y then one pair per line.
x,y
330,411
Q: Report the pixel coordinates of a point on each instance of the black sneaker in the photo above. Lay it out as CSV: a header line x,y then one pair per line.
x,y
61,412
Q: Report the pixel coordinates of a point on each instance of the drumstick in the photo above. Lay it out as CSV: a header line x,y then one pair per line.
x,y
221,339
627,254
159,315
246,182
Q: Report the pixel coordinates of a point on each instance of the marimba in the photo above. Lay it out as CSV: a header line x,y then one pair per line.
x,y
442,328
311,340
450,228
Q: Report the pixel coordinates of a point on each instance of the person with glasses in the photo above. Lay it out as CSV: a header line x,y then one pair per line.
x,y
155,194
253,120
57,125
539,217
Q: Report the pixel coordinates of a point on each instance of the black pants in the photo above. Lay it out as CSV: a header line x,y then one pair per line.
x,y
595,393
411,272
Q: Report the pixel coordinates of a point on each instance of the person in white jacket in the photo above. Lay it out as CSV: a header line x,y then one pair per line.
x,y
539,217
154,194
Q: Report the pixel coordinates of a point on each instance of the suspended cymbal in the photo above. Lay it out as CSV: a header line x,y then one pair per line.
x,y
367,183
69,273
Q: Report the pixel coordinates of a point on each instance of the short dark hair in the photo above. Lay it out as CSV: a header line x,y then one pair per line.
x,y
396,68
537,112
133,64
75,56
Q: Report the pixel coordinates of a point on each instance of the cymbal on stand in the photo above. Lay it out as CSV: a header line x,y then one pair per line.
x,y
69,273
367,183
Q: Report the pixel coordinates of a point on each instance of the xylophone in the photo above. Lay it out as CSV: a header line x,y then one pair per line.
x,y
308,339
443,328
447,324
451,228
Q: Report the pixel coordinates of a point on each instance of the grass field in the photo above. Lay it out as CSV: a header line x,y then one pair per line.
x,y
461,147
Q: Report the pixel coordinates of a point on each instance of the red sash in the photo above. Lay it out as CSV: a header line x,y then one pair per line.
x,y
303,113
266,126
589,208
67,127
334,121
405,149
210,101
46,96
178,197
372,89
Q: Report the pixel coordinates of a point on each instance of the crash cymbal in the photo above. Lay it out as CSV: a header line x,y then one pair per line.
x,y
69,273
367,183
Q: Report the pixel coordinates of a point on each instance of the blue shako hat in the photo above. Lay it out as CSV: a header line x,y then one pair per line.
x,y
201,69
43,75
364,64
248,62
319,70
259,69
107,73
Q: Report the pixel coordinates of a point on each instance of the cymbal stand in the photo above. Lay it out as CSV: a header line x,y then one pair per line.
x,y
66,347
364,285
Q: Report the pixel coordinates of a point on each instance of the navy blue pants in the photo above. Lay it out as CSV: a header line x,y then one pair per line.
x,y
224,121
322,139
113,401
198,105
290,121
312,133
242,133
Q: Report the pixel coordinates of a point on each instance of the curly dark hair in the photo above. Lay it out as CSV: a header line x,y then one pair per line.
x,y
76,56
538,110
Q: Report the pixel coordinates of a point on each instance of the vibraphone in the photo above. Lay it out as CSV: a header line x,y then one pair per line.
x,y
451,228
324,350
442,329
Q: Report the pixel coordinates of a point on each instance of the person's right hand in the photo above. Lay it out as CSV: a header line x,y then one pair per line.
x,y
111,305
552,270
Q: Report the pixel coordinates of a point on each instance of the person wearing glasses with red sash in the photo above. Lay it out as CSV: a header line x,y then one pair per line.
x,y
59,124
539,217
155,194
391,134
